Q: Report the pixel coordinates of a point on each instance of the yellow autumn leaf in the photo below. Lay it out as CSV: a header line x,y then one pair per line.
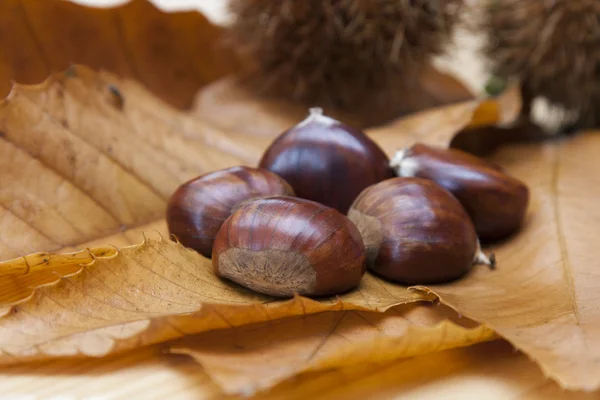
x,y
492,370
89,160
256,357
543,296
79,169
112,300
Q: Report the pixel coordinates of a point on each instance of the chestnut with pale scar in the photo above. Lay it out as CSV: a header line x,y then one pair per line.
x,y
415,232
282,246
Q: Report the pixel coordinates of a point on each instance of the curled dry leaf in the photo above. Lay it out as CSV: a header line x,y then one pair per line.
x,y
112,300
90,159
258,356
173,54
543,297
77,168
493,370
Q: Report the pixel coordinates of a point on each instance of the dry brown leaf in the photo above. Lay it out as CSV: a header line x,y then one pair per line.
x,y
78,167
543,296
256,357
173,54
491,370
113,300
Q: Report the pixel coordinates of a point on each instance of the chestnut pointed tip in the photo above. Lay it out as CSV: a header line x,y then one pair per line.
x,y
403,165
396,160
315,111
481,258
492,258
316,115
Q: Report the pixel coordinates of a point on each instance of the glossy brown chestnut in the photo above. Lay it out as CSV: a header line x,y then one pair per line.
x,y
199,207
327,161
495,201
283,245
415,232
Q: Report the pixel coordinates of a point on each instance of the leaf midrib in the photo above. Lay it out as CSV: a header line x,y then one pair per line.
x,y
562,242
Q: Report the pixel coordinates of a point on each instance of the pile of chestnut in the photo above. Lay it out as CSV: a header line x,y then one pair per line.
x,y
326,203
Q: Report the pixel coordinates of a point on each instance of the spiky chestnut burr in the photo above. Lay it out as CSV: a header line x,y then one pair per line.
x,y
343,54
553,48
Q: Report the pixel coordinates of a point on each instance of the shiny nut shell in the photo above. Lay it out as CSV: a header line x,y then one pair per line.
x,y
415,232
495,201
199,207
280,246
327,161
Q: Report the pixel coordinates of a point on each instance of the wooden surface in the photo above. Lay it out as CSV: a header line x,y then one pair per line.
x,y
491,371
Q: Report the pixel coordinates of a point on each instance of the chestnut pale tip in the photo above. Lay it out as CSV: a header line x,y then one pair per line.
x,y
315,114
481,258
403,166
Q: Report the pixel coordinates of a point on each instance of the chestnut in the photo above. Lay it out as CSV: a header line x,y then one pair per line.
x,y
327,161
198,208
495,201
281,246
415,232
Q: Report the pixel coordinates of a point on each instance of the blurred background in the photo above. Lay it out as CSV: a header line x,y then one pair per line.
x,y
460,61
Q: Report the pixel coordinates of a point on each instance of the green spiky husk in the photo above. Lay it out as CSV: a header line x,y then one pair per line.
x,y
552,47
337,53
